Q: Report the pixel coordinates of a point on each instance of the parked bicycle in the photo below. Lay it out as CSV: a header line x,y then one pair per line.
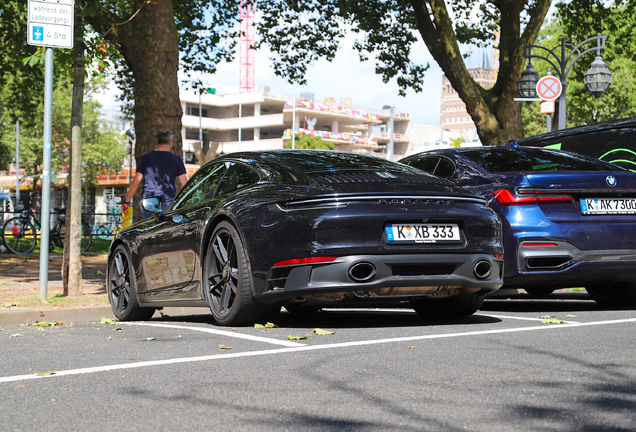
x,y
21,233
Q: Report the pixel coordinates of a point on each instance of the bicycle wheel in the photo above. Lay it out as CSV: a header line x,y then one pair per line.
x,y
19,235
87,236
103,232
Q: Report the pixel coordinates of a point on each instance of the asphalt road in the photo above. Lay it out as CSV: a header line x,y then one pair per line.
x,y
502,369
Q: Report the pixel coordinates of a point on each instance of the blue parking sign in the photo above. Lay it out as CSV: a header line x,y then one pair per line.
x,y
38,33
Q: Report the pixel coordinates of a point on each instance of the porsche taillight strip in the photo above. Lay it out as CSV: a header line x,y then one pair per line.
x,y
380,199
306,260
540,245
506,198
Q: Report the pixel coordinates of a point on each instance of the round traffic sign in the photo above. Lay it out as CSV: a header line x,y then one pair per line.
x,y
549,88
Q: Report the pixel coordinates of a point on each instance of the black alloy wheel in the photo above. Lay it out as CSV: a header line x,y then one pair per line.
x,y
616,295
122,294
227,285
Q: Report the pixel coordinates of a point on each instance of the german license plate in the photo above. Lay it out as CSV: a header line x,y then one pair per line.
x,y
591,206
422,233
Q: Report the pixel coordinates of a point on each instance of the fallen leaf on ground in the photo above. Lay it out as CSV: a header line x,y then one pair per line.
x,y
268,325
4,282
151,338
45,373
111,338
16,335
108,321
571,316
553,321
98,272
223,346
411,347
322,332
292,337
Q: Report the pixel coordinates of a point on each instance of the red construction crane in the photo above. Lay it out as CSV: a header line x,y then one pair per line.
x,y
246,48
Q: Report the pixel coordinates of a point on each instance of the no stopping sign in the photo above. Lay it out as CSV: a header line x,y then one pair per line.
x,y
549,88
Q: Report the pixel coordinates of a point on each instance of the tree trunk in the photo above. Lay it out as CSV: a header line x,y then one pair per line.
x,y
494,111
150,45
72,259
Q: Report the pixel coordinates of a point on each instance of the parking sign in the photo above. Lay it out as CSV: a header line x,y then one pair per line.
x,y
51,23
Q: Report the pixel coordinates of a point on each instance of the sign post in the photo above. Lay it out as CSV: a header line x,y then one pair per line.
x,y
50,25
549,88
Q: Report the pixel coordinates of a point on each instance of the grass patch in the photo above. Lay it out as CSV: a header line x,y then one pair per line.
x,y
97,246
59,300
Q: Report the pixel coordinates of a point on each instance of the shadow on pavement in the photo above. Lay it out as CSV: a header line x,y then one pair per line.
x,y
347,318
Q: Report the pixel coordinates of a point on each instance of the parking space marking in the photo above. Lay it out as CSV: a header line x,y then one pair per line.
x,y
223,333
308,348
519,318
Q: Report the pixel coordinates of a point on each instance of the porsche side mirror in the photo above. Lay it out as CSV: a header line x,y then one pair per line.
x,y
153,205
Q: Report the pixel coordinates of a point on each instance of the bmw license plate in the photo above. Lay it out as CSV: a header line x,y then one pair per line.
x,y
590,206
422,233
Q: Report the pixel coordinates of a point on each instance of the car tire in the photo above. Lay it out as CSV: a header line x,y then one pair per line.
x,y
226,281
538,292
616,295
122,288
458,306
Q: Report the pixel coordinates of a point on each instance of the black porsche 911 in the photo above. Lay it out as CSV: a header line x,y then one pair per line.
x,y
253,231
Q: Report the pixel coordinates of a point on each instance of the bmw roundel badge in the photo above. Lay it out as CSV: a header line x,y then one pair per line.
x,y
611,181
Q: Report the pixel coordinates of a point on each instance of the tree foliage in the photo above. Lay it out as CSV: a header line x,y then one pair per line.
x,y
307,142
576,21
301,32
102,151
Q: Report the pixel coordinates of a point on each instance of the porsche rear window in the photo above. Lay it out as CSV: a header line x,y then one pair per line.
x,y
308,161
535,160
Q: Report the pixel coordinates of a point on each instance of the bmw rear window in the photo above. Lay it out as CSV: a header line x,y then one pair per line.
x,y
535,160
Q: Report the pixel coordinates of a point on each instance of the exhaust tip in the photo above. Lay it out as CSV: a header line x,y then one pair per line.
x,y
361,272
482,269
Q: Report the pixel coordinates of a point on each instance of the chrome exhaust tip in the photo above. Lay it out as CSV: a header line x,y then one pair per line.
x,y
361,272
482,269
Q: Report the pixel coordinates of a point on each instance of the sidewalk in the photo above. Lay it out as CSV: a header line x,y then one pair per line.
x,y
20,292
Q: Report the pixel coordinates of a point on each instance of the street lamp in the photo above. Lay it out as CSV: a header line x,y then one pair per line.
x,y
527,84
131,142
597,78
17,163
389,154
201,91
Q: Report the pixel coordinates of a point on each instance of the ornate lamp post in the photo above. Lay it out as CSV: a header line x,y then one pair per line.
x,y
597,79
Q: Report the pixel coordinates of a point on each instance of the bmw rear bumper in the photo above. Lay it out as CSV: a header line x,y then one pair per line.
x,y
564,265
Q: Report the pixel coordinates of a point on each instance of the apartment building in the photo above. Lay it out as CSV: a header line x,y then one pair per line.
x,y
262,120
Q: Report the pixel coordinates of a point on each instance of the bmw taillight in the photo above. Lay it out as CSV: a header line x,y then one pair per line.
x,y
506,197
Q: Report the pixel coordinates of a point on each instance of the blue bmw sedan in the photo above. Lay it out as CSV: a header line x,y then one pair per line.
x,y
568,220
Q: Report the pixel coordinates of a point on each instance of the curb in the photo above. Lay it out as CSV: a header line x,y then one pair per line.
x,y
51,315
89,314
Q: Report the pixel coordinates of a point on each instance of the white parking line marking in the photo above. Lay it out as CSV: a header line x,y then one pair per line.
x,y
306,348
223,333
519,318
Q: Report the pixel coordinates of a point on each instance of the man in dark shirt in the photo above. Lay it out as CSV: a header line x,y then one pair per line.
x,y
158,170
